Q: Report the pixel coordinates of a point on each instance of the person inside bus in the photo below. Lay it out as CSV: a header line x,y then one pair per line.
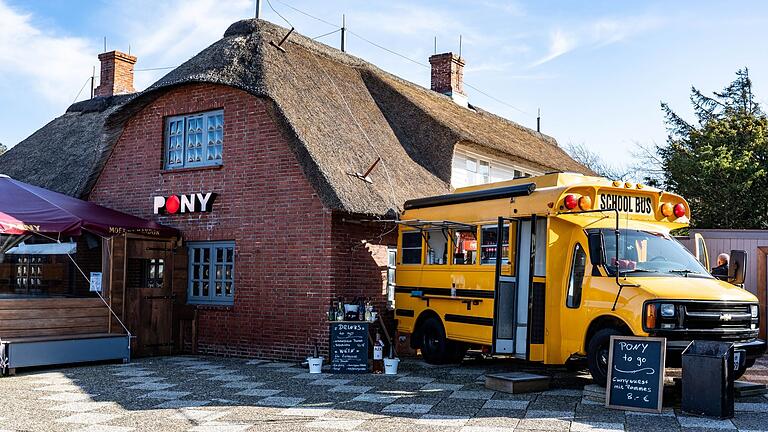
x,y
721,271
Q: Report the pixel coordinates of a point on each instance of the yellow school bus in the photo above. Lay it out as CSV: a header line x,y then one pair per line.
x,y
582,258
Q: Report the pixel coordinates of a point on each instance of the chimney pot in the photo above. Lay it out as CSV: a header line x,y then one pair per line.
x,y
116,74
448,76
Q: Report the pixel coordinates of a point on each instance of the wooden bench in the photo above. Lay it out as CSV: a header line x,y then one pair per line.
x,y
50,331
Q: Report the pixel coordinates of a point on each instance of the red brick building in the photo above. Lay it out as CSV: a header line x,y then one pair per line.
x,y
302,149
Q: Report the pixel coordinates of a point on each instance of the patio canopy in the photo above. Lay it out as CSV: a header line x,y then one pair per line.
x,y
27,209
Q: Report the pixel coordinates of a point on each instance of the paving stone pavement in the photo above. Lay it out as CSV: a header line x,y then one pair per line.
x,y
207,394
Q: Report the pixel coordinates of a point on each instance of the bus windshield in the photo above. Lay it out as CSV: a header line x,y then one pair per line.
x,y
646,253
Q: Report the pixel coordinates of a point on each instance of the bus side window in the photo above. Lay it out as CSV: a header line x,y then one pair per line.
x,y
576,279
465,246
411,246
437,247
701,251
488,245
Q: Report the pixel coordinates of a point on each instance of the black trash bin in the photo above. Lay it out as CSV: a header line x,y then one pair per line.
x,y
708,379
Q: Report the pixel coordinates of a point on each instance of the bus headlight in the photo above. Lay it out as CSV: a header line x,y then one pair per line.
x,y
753,310
667,310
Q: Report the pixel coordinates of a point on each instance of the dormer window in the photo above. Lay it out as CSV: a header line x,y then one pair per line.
x,y
471,168
195,140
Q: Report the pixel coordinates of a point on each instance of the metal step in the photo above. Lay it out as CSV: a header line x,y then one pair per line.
x,y
517,382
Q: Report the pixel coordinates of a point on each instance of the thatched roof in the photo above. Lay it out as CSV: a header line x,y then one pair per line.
x,y
342,113
67,154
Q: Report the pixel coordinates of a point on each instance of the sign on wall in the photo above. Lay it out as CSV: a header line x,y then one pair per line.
x,y
636,373
189,203
95,282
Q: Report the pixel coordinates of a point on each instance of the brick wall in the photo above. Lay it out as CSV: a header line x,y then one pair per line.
x,y
281,229
116,76
447,74
360,261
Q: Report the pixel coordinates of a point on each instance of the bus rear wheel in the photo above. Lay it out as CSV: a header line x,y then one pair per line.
x,y
435,347
597,354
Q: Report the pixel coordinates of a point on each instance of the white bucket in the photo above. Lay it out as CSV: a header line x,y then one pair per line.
x,y
390,366
315,365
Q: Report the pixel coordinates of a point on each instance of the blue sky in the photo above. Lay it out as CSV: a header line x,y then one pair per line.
x,y
597,70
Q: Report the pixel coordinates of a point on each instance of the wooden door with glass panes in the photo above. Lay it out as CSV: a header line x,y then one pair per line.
x,y
149,298
28,274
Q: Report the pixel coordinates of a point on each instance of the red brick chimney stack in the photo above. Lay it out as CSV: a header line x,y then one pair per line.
x,y
116,74
448,76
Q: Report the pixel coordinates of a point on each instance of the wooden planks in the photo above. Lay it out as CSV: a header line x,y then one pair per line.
x,y
50,303
117,282
52,317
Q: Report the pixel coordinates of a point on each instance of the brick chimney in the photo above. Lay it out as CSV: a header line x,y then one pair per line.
x,y
116,74
448,76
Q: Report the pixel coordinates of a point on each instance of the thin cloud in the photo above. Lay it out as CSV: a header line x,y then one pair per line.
x,y
611,30
169,33
560,43
596,34
420,25
29,53
508,7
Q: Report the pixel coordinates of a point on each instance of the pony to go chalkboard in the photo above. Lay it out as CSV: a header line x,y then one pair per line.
x,y
636,373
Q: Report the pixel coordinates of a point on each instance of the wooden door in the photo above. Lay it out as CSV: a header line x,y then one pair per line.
x,y
149,296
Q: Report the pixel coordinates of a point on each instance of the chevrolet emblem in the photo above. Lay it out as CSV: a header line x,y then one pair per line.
x,y
725,317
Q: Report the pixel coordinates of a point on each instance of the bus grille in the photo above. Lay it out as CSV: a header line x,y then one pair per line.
x,y
715,321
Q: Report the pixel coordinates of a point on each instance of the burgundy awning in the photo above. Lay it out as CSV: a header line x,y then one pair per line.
x,y
27,209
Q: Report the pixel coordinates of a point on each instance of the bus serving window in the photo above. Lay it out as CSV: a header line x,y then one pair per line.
x,y
412,247
437,247
488,245
465,246
578,265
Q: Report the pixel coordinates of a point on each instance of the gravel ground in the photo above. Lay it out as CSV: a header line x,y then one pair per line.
x,y
219,394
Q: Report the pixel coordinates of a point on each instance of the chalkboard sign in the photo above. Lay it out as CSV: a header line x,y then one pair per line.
x,y
636,373
349,347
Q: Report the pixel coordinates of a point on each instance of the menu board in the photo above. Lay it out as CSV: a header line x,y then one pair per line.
x,y
636,373
349,347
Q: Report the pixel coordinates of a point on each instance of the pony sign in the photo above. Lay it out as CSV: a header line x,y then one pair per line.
x,y
636,373
190,203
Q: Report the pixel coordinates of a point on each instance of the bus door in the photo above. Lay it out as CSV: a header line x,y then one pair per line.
x,y
516,288
505,294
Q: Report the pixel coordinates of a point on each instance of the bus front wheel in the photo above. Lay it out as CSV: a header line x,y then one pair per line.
x,y
435,347
597,354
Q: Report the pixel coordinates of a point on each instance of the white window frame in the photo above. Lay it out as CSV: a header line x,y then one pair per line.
x,y
391,283
470,171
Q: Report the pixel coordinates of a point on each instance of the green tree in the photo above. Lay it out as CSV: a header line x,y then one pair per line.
x,y
720,163
3,148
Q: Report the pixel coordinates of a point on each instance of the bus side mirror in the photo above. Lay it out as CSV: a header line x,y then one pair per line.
x,y
737,267
596,248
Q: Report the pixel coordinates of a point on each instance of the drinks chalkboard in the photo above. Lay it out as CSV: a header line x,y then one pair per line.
x,y
636,373
349,347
